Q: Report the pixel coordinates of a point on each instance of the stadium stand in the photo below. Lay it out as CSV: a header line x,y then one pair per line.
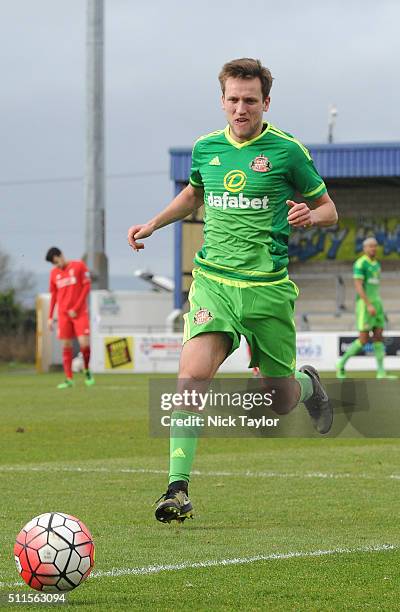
x,y
326,300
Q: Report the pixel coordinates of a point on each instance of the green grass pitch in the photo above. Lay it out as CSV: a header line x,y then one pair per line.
x,y
316,529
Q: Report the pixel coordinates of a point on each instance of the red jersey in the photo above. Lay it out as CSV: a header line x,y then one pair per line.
x,y
69,288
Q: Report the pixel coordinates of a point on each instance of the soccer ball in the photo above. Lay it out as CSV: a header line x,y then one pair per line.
x,y
54,552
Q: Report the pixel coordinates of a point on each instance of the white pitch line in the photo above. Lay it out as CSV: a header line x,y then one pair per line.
x,y
206,473
156,569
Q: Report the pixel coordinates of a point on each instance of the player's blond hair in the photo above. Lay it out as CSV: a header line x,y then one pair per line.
x,y
370,240
247,68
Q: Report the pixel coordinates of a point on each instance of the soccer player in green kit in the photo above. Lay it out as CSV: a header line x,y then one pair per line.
x,y
246,177
369,309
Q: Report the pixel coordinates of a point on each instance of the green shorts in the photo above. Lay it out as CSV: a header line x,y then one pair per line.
x,y
262,313
367,322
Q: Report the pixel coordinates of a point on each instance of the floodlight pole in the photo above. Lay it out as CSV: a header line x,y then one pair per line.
x,y
94,187
331,123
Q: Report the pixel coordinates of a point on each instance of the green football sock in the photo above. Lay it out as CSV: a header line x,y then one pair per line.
x,y
183,443
306,385
379,350
354,348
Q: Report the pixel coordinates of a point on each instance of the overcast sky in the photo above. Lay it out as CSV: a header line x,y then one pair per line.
x,y
162,62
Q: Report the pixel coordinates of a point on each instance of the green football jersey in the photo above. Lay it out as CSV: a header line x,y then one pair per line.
x,y
369,271
246,186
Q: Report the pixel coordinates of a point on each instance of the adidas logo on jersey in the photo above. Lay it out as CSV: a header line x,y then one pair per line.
x,y
227,200
215,162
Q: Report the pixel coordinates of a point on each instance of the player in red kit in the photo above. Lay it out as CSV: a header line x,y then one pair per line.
x,y
69,289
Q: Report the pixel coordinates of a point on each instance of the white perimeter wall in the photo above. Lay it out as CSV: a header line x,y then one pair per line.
x,y
125,338
160,353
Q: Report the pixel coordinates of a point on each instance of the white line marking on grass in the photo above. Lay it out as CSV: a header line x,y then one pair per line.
x,y
156,569
206,473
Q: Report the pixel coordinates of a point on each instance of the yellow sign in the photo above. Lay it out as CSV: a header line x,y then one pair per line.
x,y
235,181
118,353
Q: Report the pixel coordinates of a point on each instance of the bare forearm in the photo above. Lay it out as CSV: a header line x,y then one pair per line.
x,y
325,214
186,202
360,290
301,215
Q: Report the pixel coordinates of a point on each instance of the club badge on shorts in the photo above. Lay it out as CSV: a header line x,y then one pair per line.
x,y
260,164
202,316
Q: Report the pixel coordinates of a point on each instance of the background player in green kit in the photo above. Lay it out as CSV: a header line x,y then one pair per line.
x,y
246,176
369,309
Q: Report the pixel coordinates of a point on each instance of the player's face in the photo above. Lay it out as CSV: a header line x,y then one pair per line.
x,y
59,261
370,249
244,106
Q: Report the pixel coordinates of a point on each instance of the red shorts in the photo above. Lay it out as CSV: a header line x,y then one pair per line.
x,y
69,328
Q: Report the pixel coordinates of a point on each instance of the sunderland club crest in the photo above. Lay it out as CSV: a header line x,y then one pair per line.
x,y
260,164
202,316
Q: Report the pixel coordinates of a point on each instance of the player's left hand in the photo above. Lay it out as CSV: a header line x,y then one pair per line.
x,y
72,314
299,214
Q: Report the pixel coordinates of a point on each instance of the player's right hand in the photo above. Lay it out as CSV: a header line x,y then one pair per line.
x,y
371,310
136,232
50,324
